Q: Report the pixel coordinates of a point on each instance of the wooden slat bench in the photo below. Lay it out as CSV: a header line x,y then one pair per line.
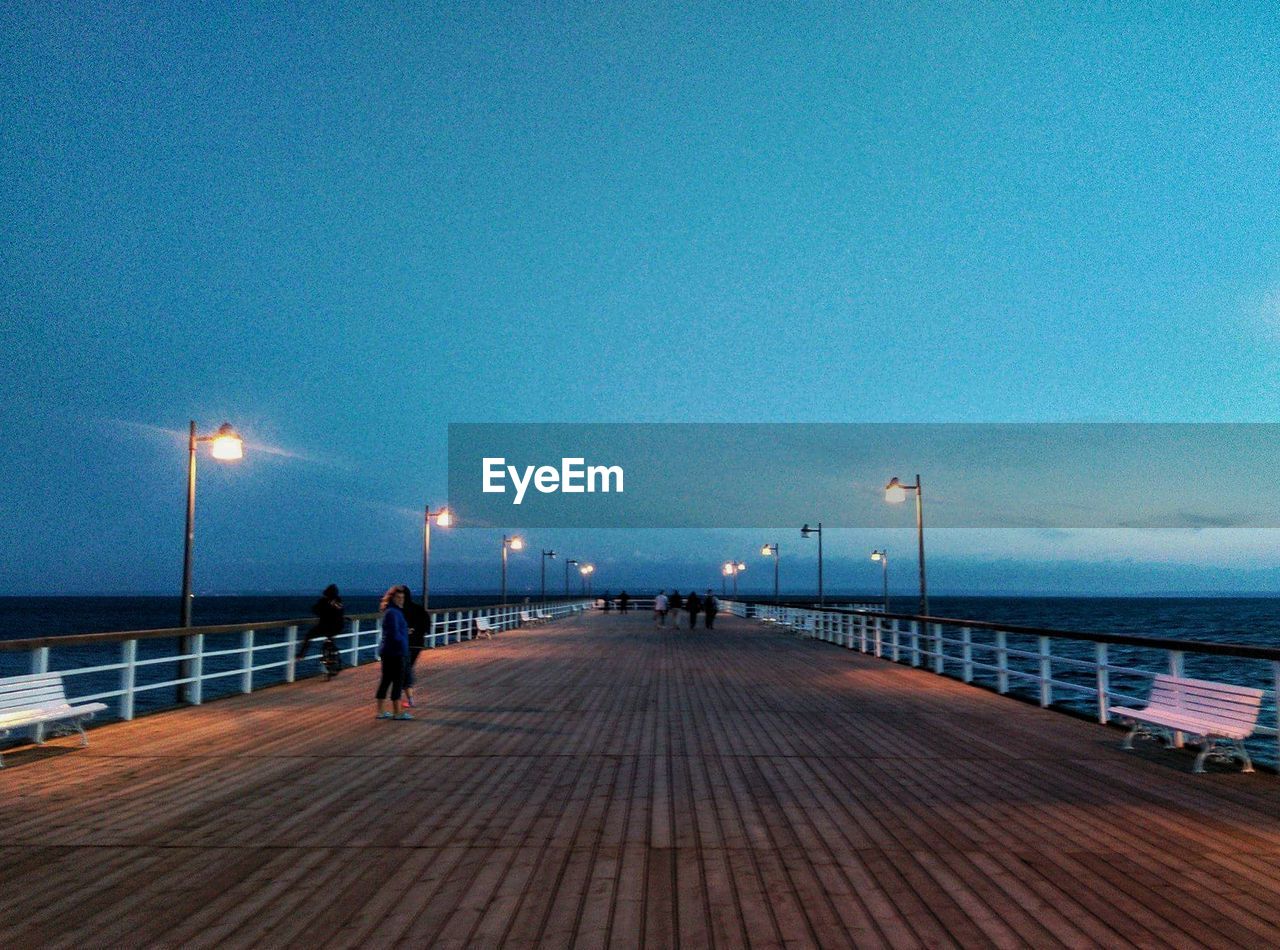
x,y
483,628
1207,711
39,699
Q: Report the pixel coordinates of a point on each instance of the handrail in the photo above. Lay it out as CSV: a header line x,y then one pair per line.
x,y
1122,639
115,636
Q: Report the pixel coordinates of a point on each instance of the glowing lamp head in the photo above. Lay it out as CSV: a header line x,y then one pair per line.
x,y
739,566
766,550
877,556
227,445
517,543
894,493
444,519
726,570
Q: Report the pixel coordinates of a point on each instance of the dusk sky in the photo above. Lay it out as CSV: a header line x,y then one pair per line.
x,y
341,231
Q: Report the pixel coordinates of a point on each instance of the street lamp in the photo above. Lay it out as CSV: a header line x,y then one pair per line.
x,y
574,562
545,555
733,569
515,544
804,533
883,558
226,446
896,493
443,519
587,570
767,550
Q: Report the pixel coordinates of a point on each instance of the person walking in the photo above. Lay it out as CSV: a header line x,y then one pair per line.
x,y
330,616
419,621
675,605
709,608
660,609
393,650
623,600
693,604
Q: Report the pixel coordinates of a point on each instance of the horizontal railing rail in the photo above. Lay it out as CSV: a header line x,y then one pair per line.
x,y
131,668
1098,669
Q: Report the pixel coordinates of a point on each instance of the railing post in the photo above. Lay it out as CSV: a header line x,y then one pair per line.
x,y
879,636
1046,672
1002,662
128,677
246,675
966,656
915,643
1104,681
939,654
1175,669
291,644
894,638
355,642
862,633
196,686
39,664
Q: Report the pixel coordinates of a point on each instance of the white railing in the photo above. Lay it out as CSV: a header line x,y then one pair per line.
x,y
1106,669
232,659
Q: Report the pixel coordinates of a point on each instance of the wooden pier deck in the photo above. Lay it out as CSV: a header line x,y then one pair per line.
x,y
600,783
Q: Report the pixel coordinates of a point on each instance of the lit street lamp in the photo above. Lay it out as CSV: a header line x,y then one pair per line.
x,y
767,550
883,558
574,562
515,544
804,533
226,446
443,519
733,569
896,493
545,555
586,571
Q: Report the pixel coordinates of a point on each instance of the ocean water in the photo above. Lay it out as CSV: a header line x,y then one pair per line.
x,y
1242,620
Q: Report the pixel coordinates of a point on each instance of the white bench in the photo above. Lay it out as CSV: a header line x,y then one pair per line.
x,y
39,699
526,617
484,628
542,617
1207,711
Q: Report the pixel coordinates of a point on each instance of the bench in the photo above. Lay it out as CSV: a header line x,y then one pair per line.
x,y
39,699
1209,712
542,617
483,628
526,617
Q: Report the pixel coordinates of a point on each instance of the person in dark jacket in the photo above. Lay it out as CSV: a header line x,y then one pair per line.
x,y
393,651
624,599
330,616
709,608
675,603
419,621
693,604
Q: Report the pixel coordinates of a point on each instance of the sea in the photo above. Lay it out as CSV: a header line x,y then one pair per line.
x,y
1253,621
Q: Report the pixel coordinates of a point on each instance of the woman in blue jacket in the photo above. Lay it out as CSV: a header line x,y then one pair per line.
x,y
394,650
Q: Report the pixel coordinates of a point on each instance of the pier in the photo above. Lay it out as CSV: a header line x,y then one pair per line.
x,y
600,782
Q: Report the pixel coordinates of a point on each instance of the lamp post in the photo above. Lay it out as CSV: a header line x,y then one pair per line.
x,y
896,493
545,555
767,550
804,533
443,519
733,569
515,544
227,447
587,570
883,558
574,562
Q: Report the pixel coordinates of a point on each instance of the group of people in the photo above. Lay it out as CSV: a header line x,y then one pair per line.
x,y
405,624
673,604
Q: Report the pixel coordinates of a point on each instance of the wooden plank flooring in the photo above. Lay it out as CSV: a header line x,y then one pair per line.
x,y
602,783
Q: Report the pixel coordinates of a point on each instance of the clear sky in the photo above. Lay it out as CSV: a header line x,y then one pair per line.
x,y
341,231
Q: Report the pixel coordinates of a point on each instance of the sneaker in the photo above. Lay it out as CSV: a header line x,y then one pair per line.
x,y
404,715
383,715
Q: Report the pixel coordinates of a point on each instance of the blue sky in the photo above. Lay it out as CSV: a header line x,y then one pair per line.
x,y
342,231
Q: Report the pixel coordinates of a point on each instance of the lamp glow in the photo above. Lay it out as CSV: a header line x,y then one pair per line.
x,y
227,445
444,519
517,543
894,493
